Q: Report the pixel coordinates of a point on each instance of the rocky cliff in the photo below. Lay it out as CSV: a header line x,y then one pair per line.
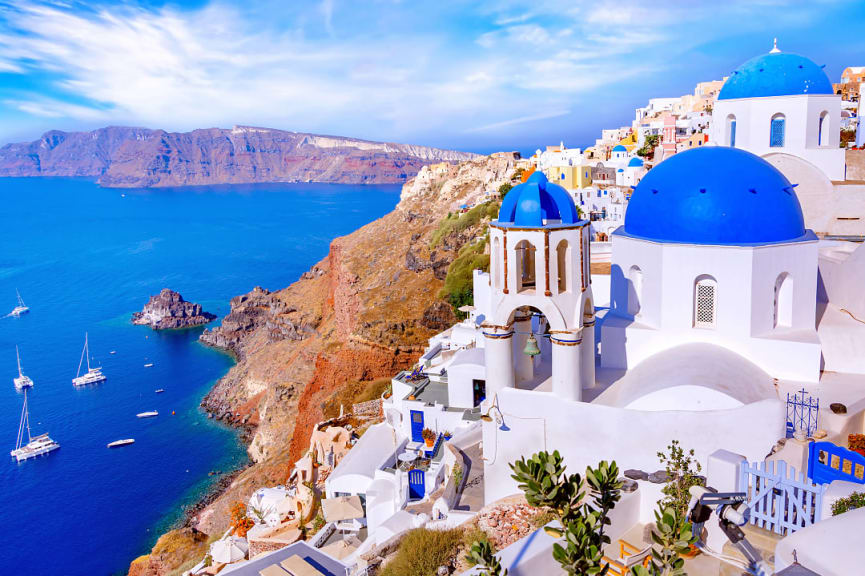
x,y
362,313
168,310
138,157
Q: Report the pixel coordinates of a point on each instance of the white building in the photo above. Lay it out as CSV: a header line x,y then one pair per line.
x,y
781,103
721,256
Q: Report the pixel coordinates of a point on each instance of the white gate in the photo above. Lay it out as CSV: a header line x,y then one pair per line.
x,y
780,499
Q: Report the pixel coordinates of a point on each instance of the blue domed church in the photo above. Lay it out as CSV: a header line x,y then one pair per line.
x,y
781,104
714,250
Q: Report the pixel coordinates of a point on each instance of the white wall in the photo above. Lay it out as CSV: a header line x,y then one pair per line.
x,y
802,113
587,433
744,319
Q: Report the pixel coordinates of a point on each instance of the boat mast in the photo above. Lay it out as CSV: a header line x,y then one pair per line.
x,y
20,301
18,356
83,353
25,423
87,349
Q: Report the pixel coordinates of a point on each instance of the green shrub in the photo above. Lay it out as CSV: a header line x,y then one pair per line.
x,y
504,189
851,502
458,288
422,551
456,223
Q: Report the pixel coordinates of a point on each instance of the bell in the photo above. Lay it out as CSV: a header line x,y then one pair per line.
x,y
531,348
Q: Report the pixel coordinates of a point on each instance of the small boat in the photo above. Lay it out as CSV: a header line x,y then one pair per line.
x,y
22,381
124,442
160,390
93,375
42,444
113,352
148,414
149,365
21,308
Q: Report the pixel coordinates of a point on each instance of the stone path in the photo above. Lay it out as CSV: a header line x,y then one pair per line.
x,y
472,497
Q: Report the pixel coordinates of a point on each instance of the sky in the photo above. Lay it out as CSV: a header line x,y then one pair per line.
x,y
472,75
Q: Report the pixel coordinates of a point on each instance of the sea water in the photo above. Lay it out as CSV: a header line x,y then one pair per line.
x,y
84,259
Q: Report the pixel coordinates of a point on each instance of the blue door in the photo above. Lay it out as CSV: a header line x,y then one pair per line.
x,y
416,426
416,489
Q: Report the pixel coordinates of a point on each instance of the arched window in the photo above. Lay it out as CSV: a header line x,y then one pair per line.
x,y
783,301
823,129
563,265
731,130
497,271
635,290
525,252
776,131
705,302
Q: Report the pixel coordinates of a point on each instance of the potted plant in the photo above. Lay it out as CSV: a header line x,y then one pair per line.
x,y
447,434
429,437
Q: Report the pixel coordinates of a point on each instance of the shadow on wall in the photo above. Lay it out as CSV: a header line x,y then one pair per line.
x,y
621,289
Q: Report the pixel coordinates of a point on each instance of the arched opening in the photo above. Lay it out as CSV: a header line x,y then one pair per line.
x,y
776,131
563,265
635,290
497,271
588,312
705,302
731,130
823,129
783,301
525,252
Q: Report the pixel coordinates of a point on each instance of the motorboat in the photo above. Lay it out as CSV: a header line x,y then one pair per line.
x,y
147,414
119,443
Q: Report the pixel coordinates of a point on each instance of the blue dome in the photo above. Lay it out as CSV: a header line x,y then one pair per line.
x,y
536,201
776,74
619,148
635,163
715,195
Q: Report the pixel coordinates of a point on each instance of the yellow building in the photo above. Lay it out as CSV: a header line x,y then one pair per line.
x,y
848,88
571,177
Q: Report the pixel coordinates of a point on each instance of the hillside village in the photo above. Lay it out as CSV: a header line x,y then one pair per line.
x,y
675,308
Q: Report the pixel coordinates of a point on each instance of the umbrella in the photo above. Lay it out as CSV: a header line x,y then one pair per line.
x,y
341,548
342,508
229,550
466,308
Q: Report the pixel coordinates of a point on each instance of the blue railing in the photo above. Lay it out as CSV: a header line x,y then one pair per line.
x,y
802,412
828,462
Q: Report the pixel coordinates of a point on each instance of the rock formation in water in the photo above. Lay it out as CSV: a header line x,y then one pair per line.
x,y
168,310
364,312
123,157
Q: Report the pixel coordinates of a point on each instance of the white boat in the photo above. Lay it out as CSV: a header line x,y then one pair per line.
x,y
21,308
34,447
22,381
160,390
149,365
124,442
93,375
148,414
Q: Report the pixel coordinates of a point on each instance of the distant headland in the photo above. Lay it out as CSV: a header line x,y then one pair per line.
x,y
126,157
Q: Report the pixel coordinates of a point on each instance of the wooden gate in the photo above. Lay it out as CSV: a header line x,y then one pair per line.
x,y
780,499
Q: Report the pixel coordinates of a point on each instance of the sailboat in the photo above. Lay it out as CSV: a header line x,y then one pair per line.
x,y
22,381
93,375
42,444
21,308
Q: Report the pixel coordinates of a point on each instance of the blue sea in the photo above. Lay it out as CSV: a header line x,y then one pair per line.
x,y
84,259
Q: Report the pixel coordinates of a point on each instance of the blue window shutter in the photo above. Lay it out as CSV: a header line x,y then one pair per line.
x,y
733,134
777,133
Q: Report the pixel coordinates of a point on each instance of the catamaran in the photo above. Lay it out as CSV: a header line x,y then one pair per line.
x,y
37,446
93,375
21,308
22,381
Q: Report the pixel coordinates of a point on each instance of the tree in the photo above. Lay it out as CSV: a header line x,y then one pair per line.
x,y
239,520
504,189
672,537
682,472
581,519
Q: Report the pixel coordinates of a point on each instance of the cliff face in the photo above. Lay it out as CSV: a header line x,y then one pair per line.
x,y
139,157
168,310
